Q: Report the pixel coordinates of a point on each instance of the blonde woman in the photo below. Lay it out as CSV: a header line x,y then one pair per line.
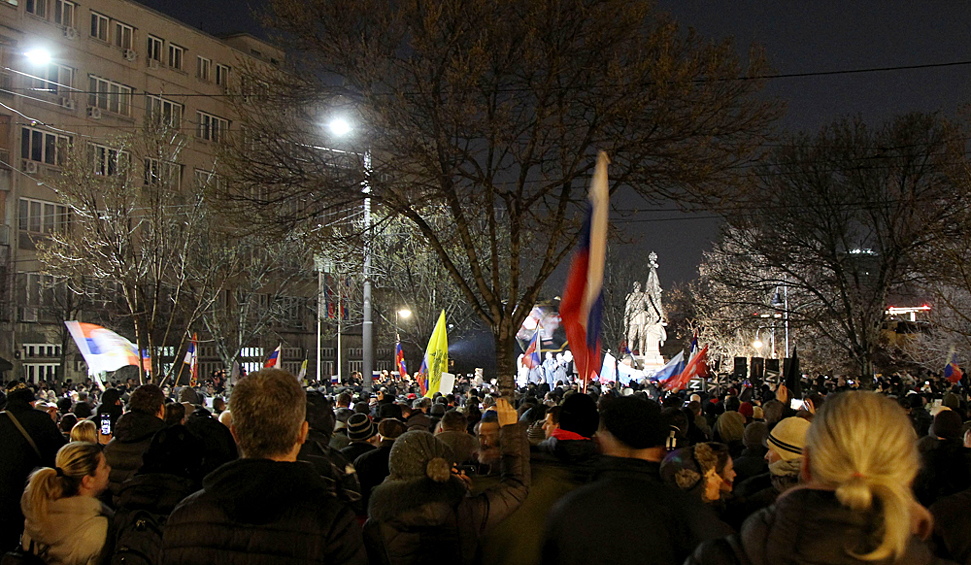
x,y
856,505
66,523
85,430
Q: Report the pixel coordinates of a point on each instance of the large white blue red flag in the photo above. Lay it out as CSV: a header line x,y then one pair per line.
x,y
582,305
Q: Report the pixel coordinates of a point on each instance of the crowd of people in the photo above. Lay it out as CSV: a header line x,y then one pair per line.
x,y
283,472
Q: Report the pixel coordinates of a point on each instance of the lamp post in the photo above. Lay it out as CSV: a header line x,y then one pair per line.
x,y
404,313
341,128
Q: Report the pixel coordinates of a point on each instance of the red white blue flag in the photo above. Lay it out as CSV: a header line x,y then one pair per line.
x,y
274,358
582,305
399,360
952,372
531,357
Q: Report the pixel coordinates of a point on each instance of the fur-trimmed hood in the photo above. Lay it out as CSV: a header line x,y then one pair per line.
x,y
417,502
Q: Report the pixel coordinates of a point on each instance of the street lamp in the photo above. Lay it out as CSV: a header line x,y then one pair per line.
x,y
404,313
38,57
341,127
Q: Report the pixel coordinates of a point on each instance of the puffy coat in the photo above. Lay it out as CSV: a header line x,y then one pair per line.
x,y
262,511
421,521
336,471
73,532
952,527
804,526
18,459
132,435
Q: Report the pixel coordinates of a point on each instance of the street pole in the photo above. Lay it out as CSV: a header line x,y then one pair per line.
x,y
367,328
320,304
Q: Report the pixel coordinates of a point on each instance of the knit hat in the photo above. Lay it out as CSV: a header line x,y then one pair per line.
x,y
390,428
730,426
360,427
745,409
418,454
755,434
437,410
389,411
947,425
788,437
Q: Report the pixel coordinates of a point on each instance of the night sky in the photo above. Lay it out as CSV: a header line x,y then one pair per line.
x,y
799,37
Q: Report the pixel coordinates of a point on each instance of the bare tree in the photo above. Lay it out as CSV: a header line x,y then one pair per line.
x,y
843,220
130,231
492,114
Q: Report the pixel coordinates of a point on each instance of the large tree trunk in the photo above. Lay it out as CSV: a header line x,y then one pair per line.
x,y
505,341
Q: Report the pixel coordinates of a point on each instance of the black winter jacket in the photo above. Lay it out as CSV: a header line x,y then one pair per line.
x,y
18,459
952,527
132,435
219,447
266,512
804,527
420,521
595,523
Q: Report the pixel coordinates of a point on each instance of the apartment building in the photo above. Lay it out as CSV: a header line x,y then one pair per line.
x,y
80,72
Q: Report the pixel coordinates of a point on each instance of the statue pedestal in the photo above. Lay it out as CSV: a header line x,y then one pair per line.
x,y
651,362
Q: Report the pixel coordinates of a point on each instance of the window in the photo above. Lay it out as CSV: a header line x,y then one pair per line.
x,y
175,56
43,147
211,128
51,79
36,372
64,12
107,161
154,49
164,111
163,173
99,26
222,75
109,96
124,35
36,7
209,179
41,349
37,216
204,69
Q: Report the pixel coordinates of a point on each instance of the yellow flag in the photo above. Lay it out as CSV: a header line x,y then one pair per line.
x,y
436,355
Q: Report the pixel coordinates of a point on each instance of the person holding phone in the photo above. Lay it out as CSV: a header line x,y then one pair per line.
x,y
424,513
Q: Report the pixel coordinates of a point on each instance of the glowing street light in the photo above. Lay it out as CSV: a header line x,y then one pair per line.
x,y
757,344
340,127
38,57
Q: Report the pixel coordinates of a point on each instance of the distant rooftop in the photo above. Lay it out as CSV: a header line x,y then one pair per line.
x,y
221,18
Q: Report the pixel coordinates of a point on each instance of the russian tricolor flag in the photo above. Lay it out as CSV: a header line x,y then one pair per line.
x,y
274,358
952,372
399,360
582,305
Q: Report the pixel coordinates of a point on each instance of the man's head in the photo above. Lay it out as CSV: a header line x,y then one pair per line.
x,y
269,414
578,414
454,421
147,399
487,432
786,440
631,424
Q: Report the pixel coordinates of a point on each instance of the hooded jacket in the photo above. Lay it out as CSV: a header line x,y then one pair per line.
x,y
73,532
421,521
132,435
263,511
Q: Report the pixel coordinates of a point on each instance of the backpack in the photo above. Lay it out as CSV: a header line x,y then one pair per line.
x,y
138,538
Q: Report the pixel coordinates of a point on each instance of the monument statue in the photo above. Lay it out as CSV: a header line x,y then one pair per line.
x,y
644,319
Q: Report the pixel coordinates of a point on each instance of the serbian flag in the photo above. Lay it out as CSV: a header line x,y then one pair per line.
x,y
274,358
399,360
697,367
582,305
532,357
103,349
952,372
674,367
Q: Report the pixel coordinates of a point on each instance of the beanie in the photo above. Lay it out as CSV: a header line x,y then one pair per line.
x,y
189,395
634,422
745,409
579,415
730,427
788,437
360,427
389,411
947,425
417,454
